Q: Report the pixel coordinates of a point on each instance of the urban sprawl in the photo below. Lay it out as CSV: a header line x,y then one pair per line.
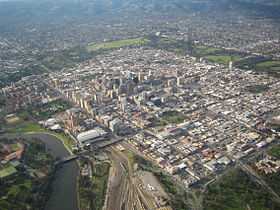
x,y
192,118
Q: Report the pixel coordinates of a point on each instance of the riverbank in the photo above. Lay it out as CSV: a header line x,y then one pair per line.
x,y
29,180
54,135
64,194
22,126
65,189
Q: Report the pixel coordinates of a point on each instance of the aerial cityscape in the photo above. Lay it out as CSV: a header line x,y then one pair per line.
x,y
139,105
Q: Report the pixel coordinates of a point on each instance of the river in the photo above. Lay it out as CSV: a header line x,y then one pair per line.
x,y
64,186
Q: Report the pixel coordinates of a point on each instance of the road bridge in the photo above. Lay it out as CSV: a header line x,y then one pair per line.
x,y
66,159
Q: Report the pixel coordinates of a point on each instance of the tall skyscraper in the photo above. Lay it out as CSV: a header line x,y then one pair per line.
x,y
230,65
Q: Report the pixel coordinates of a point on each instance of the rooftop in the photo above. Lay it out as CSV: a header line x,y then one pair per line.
x,y
91,134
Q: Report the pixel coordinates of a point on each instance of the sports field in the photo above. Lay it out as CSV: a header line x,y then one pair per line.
x,y
117,44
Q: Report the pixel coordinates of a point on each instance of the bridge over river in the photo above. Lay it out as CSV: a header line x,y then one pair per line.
x,y
66,159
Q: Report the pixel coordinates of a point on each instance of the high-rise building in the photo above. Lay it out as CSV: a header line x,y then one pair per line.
x,y
230,65
169,83
179,81
150,73
140,77
123,103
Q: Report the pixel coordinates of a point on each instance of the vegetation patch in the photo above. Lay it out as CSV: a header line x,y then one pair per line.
x,y
66,139
166,118
201,50
255,89
24,127
117,44
169,44
130,156
36,154
260,64
65,59
7,171
222,59
29,188
212,54
236,191
273,180
250,62
93,189
268,66
173,117
48,110
275,151
7,78
217,55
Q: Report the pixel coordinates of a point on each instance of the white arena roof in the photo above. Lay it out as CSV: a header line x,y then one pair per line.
x,y
90,135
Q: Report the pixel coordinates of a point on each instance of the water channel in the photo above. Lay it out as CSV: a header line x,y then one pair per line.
x,y
64,186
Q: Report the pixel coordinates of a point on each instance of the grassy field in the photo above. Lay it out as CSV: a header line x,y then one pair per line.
x,y
169,117
30,127
7,171
117,44
236,191
222,59
216,55
240,60
275,151
205,50
269,66
173,117
24,127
